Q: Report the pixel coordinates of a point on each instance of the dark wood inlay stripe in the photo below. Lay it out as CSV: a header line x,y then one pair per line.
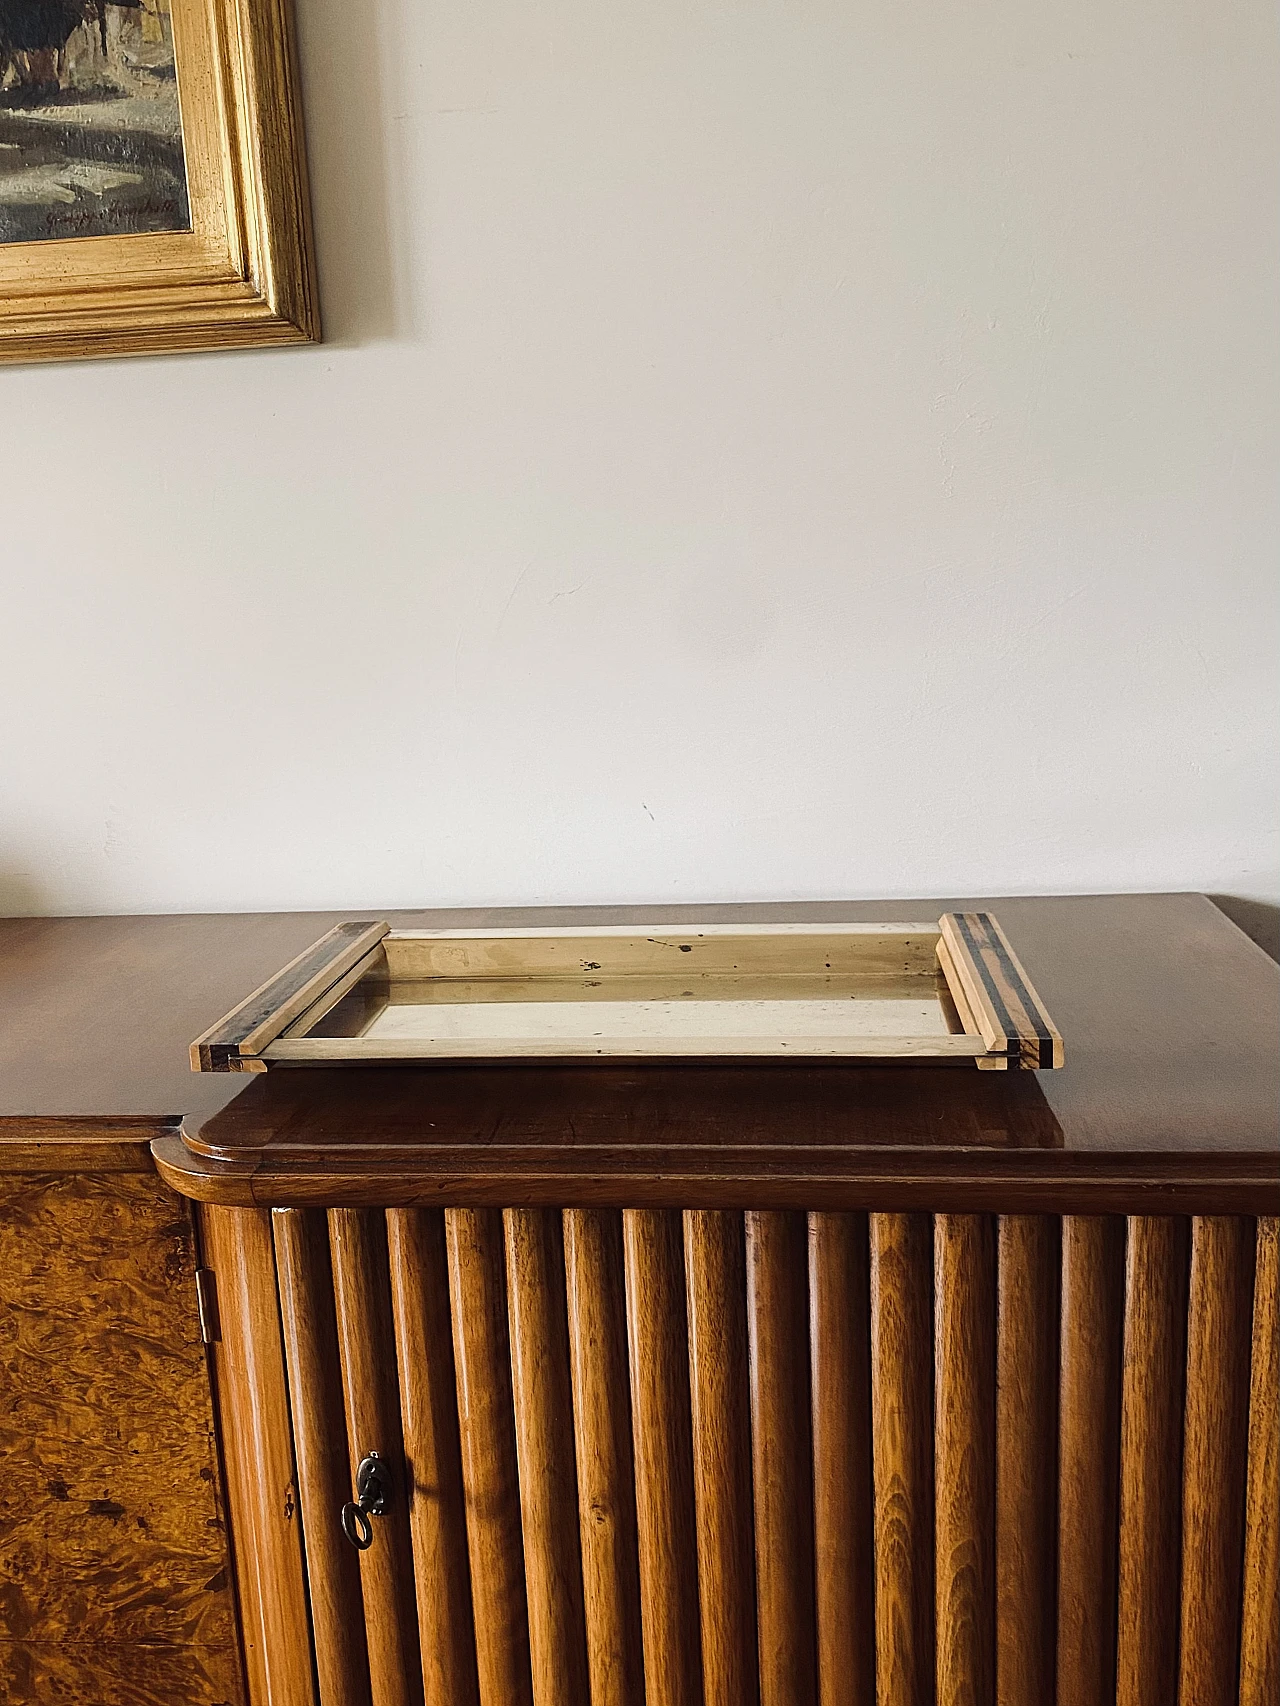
x,y
981,935
260,1017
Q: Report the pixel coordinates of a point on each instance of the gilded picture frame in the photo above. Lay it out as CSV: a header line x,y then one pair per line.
x,y
242,272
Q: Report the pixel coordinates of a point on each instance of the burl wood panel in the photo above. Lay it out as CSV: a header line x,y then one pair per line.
x,y
114,1578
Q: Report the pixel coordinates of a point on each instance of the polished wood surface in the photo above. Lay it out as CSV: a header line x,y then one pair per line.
x,y
1152,1390
782,1453
596,1306
1173,1047
661,1427
902,1455
253,1405
840,1387
1260,1634
490,1478
964,1314
715,1280
371,1397
1028,1275
1088,1457
545,1455
115,1579
321,1452
432,1453
1168,1105
1219,1330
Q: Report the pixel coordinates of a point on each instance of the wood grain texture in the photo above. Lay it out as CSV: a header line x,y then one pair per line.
x,y
1219,1325
902,1456
42,1145
433,1462
371,1395
105,1566
596,1304
1176,968
781,1454
1155,1348
1088,1457
264,1013
91,1673
1005,1006
840,1388
253,1410
964,1314
661,1434
545,1455
715,1283
490,1479
321,1454
1026,1518
1260,1630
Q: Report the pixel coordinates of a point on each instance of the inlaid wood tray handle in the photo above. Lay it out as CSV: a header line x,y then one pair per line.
x,y
988,982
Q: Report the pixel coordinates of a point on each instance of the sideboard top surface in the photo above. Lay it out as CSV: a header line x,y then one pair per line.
x,y
1173,1015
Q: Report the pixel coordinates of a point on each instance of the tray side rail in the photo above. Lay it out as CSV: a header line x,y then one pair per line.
x,y
989,984
236,1042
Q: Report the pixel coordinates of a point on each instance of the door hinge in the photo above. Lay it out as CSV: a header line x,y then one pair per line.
x,y
207,1306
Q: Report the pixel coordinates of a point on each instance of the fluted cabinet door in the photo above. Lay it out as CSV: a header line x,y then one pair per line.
x,y
717,1458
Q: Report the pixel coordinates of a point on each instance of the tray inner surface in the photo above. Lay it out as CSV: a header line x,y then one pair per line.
x,y
779,990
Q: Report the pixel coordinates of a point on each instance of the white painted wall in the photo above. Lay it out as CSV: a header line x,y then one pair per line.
x,y
823,449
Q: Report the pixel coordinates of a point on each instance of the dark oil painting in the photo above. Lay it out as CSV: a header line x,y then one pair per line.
x,y
90,132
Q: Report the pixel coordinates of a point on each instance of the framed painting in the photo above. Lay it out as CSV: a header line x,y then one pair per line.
x,y
153,190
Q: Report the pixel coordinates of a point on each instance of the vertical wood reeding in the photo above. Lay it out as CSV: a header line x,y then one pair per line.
x,y
1155,1315
715,1281
840,1382
781,1453
477,1290
1028,1279
545,1455
964,1447
1089,1454
366,1343
602,1435
433,1467
658,1355
321,1450
254,1407
1260,1633
1219,1321
902,1455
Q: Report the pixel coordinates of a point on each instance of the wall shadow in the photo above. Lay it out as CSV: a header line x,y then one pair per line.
x,y
1259,920
344,106
20,895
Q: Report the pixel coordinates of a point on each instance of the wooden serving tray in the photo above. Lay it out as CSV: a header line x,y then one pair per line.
x,y
953,990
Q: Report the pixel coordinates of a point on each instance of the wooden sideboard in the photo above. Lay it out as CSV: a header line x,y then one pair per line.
x,y
825,1383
